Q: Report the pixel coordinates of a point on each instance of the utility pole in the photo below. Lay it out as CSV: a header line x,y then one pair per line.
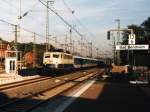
x,y
47,22
70,31
55,41
34,51
16,38
118,32
49,47
118,40
19,10
86,49
17,28
47,25
108,36
1,48
97,52
73,43
113,47
81,42
90,49
66,38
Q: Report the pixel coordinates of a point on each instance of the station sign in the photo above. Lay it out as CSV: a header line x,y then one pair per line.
x,y
131,39
132,47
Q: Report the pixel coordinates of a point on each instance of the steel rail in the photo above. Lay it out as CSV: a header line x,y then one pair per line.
x,y
27,108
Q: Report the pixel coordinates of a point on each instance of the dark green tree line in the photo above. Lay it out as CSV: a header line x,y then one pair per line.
x,y
137,57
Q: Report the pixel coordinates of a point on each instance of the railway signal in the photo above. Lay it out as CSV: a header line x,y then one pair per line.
x,y
108,35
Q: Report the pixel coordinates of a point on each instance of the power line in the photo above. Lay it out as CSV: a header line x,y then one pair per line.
x,y
62,19
79,22
20,27
40,35
26,12
33,6
30,10
10,4
72,11
37,35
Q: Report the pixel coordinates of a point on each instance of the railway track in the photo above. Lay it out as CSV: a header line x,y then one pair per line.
x,y
25,88
33,80
20,83
32,101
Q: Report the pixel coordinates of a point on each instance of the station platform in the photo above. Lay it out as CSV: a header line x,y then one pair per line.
x,y
105,97
10,78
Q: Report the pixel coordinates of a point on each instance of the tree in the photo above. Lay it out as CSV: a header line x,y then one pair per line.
x,y
146,26
142,33
139,33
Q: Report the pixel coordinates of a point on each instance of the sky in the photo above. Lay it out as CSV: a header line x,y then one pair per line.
x,y
92,18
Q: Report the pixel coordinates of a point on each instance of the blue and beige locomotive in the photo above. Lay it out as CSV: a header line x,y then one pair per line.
x,y
63,60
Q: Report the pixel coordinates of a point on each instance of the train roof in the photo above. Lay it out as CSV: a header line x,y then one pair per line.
x,y
74,55
57,52
86,58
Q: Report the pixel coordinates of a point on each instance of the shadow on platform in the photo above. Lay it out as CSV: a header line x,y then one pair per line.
x,y
114,97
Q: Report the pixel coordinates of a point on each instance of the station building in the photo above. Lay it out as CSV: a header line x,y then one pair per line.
x,y
3,49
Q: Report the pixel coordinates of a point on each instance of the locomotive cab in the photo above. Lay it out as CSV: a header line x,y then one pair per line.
x,y
52,60
58,60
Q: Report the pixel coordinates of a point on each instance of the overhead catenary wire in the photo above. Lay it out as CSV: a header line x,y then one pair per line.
x,y
10,4
37,34
40,35
61,18
80,23
26,12
33,6
72,11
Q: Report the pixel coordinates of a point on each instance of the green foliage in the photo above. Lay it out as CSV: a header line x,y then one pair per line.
x,y
146,26
142,34
138,31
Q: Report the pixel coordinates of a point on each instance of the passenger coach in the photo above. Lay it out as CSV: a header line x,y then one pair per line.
x,y
82,62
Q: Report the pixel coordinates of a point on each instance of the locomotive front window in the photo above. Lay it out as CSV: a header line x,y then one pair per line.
x,y
47,56
55,56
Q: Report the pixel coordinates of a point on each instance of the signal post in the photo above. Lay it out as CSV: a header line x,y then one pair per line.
x,y
116,59
131,43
